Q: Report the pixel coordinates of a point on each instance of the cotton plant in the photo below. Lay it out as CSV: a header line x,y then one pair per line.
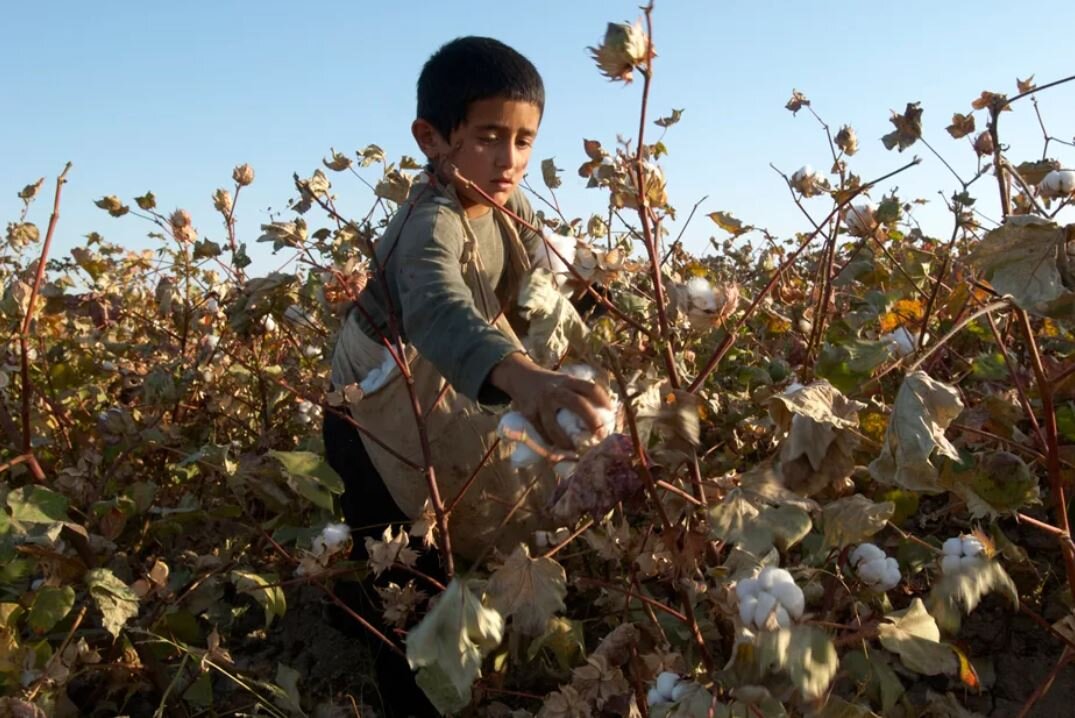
x,y
874,568
770,600
704,304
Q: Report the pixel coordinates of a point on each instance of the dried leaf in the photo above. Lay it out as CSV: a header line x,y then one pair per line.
x,y
116,601
548,174
913,635
958,593
448,645
923,409
728,223
1020,259
854,519
527,590
797,102
962,125
908,128
670,120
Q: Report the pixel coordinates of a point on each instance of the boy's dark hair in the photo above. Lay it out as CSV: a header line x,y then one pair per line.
x,y
469,69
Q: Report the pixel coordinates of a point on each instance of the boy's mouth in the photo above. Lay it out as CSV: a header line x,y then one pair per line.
x,y
503,184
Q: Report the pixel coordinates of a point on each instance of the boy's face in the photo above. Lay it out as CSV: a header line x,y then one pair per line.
x,y
491,148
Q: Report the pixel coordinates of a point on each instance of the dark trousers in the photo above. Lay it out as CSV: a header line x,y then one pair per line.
x,y
368,507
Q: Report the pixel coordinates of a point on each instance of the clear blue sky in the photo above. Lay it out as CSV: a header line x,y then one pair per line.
x,y
170,96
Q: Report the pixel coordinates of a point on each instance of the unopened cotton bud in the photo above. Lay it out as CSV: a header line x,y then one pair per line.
x,y
983,144
243,175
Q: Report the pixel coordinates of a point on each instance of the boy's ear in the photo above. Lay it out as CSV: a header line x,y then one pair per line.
x,y
428,138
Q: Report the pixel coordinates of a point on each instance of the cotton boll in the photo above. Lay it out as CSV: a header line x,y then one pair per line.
x,y
1058,183
700,292
861,219
971,546
790,597
782,618
969,563
747,587
771,575
310,351
522,457
766,604
866,552
902,341
544,256
654,697
334,535
953,546
666,683
950,564
747,606
268,324
892,574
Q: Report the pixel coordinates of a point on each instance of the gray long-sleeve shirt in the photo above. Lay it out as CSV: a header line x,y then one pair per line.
x,y
436,312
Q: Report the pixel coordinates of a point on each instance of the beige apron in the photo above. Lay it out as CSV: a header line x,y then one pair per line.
x,y
460,431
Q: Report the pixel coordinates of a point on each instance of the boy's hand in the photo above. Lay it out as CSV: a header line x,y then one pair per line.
x,y
539,393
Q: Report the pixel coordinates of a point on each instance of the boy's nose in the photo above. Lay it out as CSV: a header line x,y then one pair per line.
x,y
507,156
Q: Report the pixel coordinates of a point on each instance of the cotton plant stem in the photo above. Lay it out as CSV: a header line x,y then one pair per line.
x,y
1020,390
1047,683
402,363
24,332
992,307
655,497
650,242
1056,480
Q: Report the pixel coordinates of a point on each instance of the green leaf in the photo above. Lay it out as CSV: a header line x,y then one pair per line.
x,y
913,635
849,364
287,679
873,673
51,605
310,476
37,505
116,601
989,366
854,519
258,586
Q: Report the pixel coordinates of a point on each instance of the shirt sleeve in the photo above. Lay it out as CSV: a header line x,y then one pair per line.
x,y
440,318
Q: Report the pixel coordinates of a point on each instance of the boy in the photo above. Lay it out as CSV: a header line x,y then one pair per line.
x,y
450,264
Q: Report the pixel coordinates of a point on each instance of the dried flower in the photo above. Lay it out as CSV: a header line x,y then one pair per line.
x,y
623,48
243,175
847,140
222,201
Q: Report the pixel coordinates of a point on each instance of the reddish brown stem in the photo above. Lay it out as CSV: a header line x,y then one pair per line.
x,y
1045,685
24,332
1056,483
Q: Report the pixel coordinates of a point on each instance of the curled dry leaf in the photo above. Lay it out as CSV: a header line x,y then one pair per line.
x,y
924,407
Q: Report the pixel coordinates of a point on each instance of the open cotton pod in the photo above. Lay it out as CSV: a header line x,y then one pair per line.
x,y
861,219
1058,183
